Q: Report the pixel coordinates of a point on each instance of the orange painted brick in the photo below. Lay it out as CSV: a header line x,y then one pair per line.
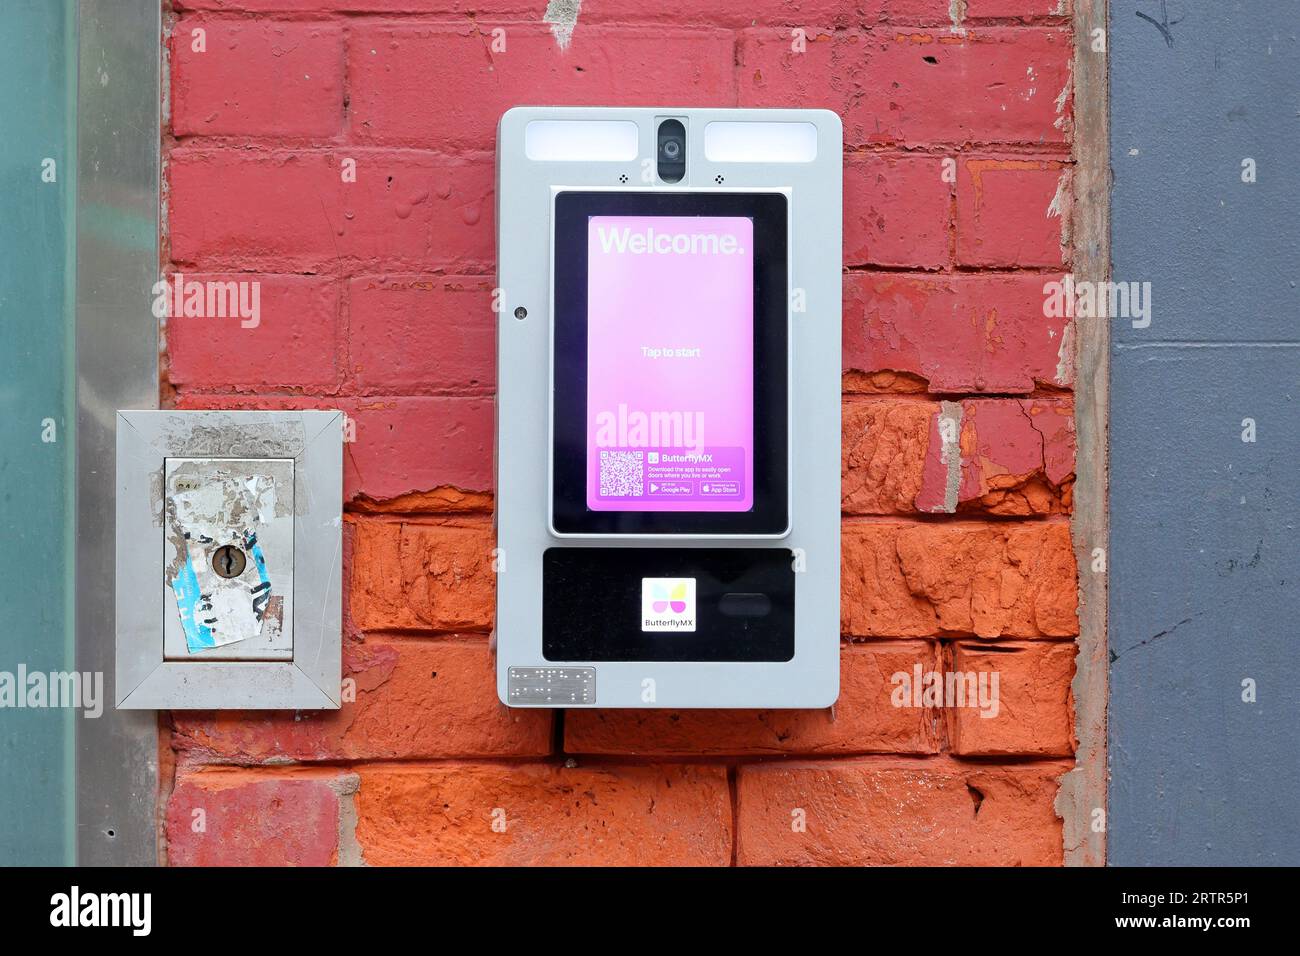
x,y
417,698
441,500
244,818
1035,708
987,580
544,815
422,575
865,719
885,445
1013,457
883,812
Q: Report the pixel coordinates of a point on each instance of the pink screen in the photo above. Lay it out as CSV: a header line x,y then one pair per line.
x,y
670,363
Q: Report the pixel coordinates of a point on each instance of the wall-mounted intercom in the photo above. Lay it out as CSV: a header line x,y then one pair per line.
x,y
668,407
229,534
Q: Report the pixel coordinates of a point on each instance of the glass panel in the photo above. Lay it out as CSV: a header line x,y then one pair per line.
x,y
38,70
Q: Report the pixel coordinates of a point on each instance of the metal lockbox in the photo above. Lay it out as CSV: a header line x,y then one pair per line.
x,y
229,533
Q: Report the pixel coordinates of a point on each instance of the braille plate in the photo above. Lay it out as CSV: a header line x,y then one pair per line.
x,y
553,686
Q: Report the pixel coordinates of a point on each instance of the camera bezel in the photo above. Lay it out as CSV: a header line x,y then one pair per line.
x,y
668,130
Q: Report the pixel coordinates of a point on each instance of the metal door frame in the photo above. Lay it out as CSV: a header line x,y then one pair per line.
x,y
117,263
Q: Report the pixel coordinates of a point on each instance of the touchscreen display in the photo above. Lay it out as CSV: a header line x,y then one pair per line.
x,y
670,363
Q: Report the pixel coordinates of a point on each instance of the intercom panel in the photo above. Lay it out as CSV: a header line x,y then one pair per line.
x,y
668,407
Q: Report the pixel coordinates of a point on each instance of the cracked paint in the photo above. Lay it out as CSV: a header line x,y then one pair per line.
x,y
950,414
957,14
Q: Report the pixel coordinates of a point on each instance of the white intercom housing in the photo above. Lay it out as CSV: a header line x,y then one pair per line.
x,y
668,407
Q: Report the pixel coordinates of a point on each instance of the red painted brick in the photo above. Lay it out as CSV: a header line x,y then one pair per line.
x,y
257,78
413,699
1035,709
942,12
394,67
422,575
292,210
992,85
959,333
864,720
407,352
1015,458
1018,457
243,818
958,579
421,332
293,344
419,444
1017,9
465,8
872,812
793,13
896,211
989,85
403,445
443,815
1012,212
201,400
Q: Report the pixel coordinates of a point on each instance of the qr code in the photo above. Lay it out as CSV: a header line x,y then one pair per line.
x,y
622,474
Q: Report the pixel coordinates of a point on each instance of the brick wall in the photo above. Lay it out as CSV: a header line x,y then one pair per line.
x,y
958,428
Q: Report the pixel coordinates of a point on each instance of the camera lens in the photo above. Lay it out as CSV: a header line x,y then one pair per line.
x,y
672,151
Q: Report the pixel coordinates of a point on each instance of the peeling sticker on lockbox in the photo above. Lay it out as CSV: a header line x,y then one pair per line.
x,y
218,571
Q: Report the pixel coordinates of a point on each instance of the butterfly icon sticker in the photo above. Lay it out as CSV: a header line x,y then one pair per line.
x,y
665,598
668,604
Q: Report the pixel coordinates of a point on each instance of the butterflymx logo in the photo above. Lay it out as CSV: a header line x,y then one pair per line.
x,y
668,604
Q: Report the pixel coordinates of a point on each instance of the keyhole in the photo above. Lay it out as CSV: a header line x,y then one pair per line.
x,y
228,561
